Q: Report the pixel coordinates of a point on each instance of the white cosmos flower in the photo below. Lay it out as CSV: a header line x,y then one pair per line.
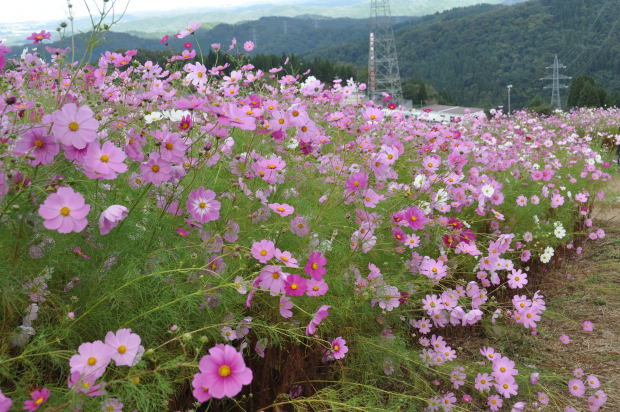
x,y
152,117
419,181
559,232
488,190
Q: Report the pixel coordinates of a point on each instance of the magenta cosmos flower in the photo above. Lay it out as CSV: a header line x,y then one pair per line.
x,y
282,208
40,36
75,126
295,285
5,403
125,347
36,143
222,373
248,46
587,326
39,396
339,348
415,218
64,211
316,266
111,217
202,206
91,360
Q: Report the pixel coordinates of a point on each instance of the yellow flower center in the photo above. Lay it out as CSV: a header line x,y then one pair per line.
x,y
73,126
104,158
280,209
224,371
315,288
199,74
263,252
202,205
155,168
276,275
169,146
315,266
39,401
294,286
91,361
38,143
65,211
122,349
336,348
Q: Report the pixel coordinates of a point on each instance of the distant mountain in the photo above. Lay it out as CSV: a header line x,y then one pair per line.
x,y
475,55
470,53
155,24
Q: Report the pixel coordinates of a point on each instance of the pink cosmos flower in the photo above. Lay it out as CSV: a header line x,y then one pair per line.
x,y
517,279
339,348
316,266
272,278
587,326
286,304
91,360
295,285
104,162
156,170
593,382
35,142
202,206
506,386
223,372
316,320
201,390
39,396
483,382
74,126
248,46
299,226
39,37
111,217
5,403
565,339
316,287
125,347
85,385
576,387
494,402
64,211
191,29
112,405
263,251
282,208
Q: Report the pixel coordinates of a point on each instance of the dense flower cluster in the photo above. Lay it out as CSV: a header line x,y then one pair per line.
x,y
309,204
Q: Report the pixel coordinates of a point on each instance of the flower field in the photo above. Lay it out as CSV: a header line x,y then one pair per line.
x,y
222,238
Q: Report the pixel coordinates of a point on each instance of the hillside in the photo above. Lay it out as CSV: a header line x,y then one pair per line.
x,y
471,53
475,56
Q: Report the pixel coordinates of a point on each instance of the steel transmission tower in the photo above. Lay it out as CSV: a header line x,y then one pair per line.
x,y
555,86
383,72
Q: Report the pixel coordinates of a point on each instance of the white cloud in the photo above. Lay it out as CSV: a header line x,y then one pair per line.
x,y
45,10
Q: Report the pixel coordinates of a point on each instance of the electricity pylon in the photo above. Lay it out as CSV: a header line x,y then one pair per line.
x,y
555,85
383,72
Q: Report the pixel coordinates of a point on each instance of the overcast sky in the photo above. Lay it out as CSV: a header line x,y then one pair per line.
x,y
23,10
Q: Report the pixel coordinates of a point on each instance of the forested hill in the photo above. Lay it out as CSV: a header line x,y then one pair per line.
x,y
471,53
473,57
